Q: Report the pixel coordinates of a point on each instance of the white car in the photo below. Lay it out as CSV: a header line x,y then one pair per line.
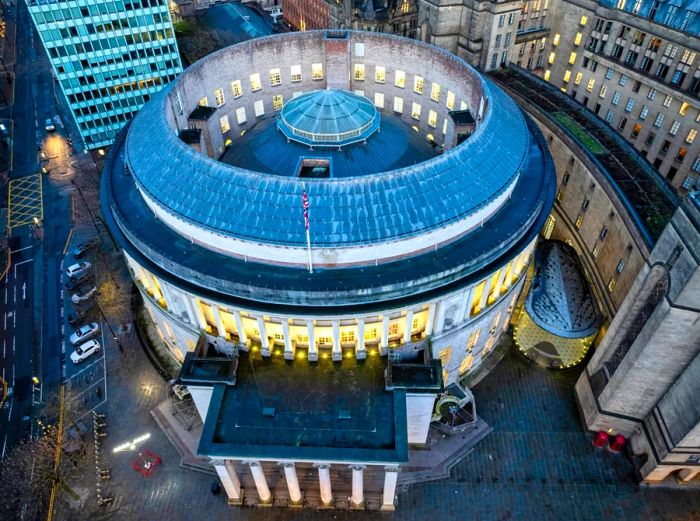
x,y
78,268
85,350
85,332
83,295
49,126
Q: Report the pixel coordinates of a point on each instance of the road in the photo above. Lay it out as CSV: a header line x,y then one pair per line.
x,y
32,338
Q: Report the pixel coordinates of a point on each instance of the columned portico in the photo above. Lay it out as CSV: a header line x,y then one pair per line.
x,y
199,316
357,499
440,318
219,322
430,321
499,283
391,477
361,351
288,349
485,294
463,303
264,341
324,481
229,479
260,482
384,345
290,475
337,350
313,350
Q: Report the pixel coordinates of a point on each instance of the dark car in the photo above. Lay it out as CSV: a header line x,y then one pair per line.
x,y
75,283
82,248
78,315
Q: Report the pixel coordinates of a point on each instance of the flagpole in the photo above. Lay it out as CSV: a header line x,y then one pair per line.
x,y
308,248
305,206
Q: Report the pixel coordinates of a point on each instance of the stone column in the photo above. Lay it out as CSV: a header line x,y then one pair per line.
x,y
357,499
499,282
462,309
290,475
430,320
313,351
440,318
485,294
242,337
288,351
391,477
229,479
384,342
324,480
360,351
337,349
219,322
408,329
198,314
165,290
260,482
264,342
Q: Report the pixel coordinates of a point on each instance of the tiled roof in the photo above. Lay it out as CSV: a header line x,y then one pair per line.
x,y
354,210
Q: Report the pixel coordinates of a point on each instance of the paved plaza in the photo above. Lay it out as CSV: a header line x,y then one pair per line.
x,y
536,465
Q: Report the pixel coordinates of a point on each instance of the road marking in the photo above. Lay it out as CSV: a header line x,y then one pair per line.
x,y
24,291
5,326
13,345
12,403
13,375
22,249
23,262
5,295
4,446
4,355
85,369
14,294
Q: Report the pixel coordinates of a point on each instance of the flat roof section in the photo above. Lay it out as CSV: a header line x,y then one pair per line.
x,y
307,412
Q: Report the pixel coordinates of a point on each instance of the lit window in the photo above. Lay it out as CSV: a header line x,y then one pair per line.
x,y
379,74
473,339
572,58
415,111
347,336
224,124
488,346
316,71
295,72
667,101
236,88
400,79
379,100
371,333
450,102
466,364
603,90
691,135
432,118
684,108
584,20
579,77
630,105
405,6
463,105
275,77
555,40
567,76
611,284
277,102
393,329
674,128
577,40
547,75
643,113
659,120
398,104
444,127
219,97
591,84
652,94
444,355
359,71
552,57
579,221
435,92
255,82
240,115
259,107
418,83
204,102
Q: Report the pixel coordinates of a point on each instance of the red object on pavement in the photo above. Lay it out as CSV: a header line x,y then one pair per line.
x,y
617,443
600,440
146,463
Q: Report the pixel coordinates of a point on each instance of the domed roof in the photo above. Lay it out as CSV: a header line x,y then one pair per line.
x,y
328,118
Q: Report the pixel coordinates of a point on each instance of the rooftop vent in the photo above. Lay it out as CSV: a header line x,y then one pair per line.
x,y
344,414
268,412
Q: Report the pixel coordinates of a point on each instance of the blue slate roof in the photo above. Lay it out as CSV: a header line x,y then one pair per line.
x,y
681,15
329,118
343,211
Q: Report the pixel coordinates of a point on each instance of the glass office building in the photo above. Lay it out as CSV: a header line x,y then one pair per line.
x,y
109,56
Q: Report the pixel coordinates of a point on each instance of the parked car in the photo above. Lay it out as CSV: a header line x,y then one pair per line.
x,y
85,350
84,332
82,248
83,295
75,270
74,283
78,315
49,126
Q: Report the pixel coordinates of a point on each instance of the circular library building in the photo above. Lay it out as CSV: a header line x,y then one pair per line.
x,y
331,195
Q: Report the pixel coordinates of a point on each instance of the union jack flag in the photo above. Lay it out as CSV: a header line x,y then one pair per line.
x,y
305,205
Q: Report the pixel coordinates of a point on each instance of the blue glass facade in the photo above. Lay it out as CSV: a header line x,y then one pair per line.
x,y
109,58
